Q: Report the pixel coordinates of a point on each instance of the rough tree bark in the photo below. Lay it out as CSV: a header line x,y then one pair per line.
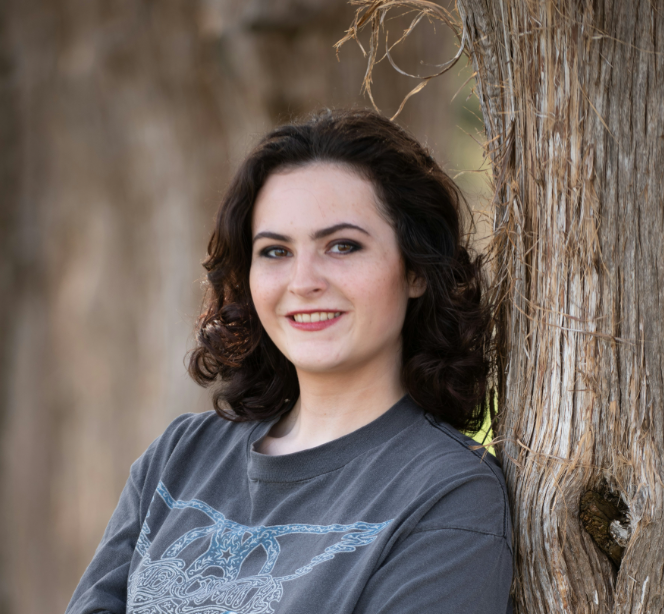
x,y
572,93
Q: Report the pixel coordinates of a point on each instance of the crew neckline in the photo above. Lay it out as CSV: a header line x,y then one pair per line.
x,y
307,464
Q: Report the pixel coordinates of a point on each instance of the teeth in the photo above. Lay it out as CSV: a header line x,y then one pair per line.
x,y
318,316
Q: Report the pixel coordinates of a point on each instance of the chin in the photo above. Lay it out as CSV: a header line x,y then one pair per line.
x,y
314,364
318,367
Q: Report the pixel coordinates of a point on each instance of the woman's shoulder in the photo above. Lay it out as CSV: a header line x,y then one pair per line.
x,y
470,487
191,436
191,426
467,452
206,424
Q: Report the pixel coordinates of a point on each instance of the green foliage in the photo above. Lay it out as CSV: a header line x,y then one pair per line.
x,y
485,435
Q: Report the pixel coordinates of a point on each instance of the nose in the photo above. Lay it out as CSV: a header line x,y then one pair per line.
x,y
307,279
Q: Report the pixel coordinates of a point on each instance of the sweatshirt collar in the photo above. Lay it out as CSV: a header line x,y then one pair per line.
x,y
332,455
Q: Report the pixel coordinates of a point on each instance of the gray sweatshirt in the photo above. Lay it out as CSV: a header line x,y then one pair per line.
x,y
398,517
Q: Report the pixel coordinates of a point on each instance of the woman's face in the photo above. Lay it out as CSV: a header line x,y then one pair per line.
x,y
327,278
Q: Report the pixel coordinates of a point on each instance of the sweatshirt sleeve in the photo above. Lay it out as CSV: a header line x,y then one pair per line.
x,y
103,587
442,571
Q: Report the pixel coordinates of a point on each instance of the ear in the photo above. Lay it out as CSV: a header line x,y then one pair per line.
x,y
416,285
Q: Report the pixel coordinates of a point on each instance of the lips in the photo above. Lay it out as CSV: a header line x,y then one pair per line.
x,y
313,320
316,316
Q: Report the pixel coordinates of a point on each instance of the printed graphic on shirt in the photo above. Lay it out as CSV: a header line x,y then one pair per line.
x,y
212,583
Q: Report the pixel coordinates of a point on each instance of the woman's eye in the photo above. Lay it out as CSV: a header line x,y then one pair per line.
x,y
275,252
344,247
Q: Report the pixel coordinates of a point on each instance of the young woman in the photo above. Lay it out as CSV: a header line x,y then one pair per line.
x,y
346,330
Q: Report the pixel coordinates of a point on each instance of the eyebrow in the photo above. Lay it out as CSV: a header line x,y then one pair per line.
x,y
319,234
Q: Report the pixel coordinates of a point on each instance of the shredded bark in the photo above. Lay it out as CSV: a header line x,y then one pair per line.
x,y
373,14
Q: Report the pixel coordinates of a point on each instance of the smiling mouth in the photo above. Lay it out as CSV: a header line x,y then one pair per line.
x,y
316,316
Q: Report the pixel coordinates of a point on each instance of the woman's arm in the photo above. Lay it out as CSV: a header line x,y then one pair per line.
x,y
103,587
442,571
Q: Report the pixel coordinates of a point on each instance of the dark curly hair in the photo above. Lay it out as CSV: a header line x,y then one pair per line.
x,y
447,330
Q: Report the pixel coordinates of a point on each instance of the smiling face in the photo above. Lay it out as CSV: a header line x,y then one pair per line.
x,y
327,277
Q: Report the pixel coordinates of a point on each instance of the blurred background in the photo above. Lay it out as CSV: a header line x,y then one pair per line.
x,y
121,124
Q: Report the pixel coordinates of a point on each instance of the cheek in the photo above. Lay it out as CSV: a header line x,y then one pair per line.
x,y
264,291
382,293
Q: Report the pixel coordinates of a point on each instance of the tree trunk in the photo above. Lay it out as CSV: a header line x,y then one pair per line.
x,y
572,93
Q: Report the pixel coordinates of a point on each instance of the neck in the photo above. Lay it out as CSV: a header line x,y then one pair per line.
x,y
332,405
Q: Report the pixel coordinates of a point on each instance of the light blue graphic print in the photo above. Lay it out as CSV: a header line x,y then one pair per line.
x,y
212,584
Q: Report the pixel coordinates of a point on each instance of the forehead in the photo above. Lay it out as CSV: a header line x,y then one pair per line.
x,y
316,195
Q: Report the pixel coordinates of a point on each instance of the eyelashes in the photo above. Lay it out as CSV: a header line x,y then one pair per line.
x,y
345,247
342,248
274,252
